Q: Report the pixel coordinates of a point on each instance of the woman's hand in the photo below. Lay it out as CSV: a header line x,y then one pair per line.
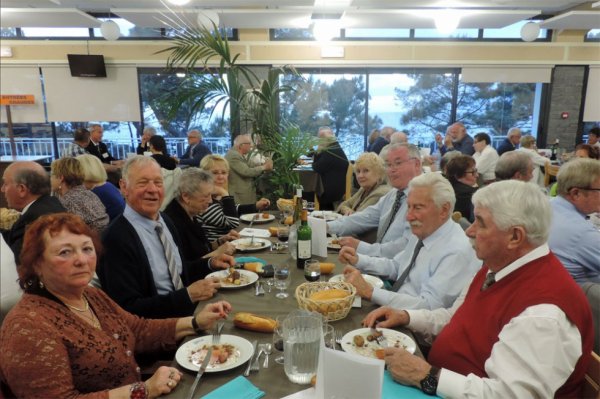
x,y
212,312
163,381
222,261
263,204
227,249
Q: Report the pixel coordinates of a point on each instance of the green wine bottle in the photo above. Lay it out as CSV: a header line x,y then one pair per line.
x,y
304,242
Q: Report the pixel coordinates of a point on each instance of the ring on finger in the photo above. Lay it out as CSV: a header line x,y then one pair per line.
x,y
170,384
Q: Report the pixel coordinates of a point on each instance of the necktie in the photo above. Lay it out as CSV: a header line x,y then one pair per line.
x,y
490,279
169,256
392,215
413,260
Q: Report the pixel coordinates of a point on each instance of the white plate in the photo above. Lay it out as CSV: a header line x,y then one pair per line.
x,y
394,338
242,244
247,278
336,247
259,219
376,282
327,215
243,353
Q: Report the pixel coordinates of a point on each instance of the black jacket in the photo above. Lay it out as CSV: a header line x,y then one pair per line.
x,y
331,164
100,151
194,243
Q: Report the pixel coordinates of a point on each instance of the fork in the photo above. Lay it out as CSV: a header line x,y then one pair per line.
x,y
256,363
216,337
338,337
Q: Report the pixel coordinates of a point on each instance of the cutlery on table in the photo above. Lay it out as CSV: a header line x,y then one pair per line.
x,y
216,337
267,349
254,352
201,371
338,337
381,340
256,363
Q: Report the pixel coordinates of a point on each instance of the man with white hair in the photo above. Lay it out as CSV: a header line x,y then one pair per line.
x,y
515,165
522,328
573,239
510,143
144,145
383,139
241,172
457,139
388,215
396,137
195,151
438,260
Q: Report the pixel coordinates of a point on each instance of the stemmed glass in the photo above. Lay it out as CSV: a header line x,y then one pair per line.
x,y
278,339
282,280
283,234
312,270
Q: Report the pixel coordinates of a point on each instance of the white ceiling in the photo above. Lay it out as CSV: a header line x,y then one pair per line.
x,y
568,14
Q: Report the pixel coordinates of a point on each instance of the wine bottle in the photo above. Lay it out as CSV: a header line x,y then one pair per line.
x,y
297,205
304,242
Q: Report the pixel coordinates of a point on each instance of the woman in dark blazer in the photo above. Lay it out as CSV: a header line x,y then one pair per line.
x,y
462,174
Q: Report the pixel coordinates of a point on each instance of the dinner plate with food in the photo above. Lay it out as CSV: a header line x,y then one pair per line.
x,y
334,243
368,342
232,351
327,215
376,282
256,218
251,244
234,278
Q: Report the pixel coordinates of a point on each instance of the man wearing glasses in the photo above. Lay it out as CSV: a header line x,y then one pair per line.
x,y
195,151
241,173
388,215
573,239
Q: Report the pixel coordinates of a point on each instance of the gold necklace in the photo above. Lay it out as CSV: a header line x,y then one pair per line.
x,y
85,309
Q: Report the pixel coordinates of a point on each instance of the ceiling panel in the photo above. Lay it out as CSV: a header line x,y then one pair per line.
x,y
574,20
47,18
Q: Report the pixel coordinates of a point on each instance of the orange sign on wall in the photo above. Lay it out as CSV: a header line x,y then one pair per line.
x,y
17,99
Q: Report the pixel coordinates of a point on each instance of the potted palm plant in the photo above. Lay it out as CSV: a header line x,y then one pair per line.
x,y
214,77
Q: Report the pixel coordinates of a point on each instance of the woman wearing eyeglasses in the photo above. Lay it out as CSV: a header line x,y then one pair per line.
x,y
462,174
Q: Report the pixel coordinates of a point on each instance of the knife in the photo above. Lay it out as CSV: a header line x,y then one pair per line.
x,y
254,347
201,371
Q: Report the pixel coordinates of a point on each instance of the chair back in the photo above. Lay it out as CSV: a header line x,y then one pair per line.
x,y
591,383
592,293
550,170
349,175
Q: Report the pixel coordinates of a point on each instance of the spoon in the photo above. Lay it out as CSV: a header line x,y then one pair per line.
x,y
267,349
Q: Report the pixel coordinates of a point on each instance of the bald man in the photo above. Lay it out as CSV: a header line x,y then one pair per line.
x,y
26,186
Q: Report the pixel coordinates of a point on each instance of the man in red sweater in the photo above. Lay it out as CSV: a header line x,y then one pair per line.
x,y
522,328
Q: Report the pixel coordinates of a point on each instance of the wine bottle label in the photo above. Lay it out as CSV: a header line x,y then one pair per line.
x,y
304,249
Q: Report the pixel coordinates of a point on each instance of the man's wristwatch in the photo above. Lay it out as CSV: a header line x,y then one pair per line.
x,y
429,384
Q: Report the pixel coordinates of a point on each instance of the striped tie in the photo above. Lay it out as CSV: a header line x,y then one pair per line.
x,y
413,260
392,215
490,279
169,256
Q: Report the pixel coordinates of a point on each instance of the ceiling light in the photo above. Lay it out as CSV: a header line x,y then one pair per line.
x,y
206,19
179,2
325,29
447,20
530,31
110,30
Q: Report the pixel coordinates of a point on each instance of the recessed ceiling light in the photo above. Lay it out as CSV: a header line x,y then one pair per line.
x,y
179,2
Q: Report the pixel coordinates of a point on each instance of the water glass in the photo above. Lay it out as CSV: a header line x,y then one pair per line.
x,y
301,342
278,339
282,280
329,336
312,270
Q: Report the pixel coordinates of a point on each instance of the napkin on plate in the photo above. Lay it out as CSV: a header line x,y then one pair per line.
x,y
238,388
249,232
319,236
392,390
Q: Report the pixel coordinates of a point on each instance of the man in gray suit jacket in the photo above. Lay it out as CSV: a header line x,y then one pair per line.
x,y
241,173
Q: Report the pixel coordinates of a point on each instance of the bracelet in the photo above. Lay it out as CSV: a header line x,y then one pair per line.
x,y
196,327
138,391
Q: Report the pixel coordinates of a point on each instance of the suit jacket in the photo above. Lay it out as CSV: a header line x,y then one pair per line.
x,y
193,155
127,278
44,205
331,164
100,151
506,146
241,177
194,243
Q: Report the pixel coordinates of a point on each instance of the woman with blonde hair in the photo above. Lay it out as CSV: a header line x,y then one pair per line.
x,y
95,180
66,181
370,174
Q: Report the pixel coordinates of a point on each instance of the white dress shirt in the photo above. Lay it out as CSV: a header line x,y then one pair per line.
x,y
485,162
374,217
535,354
538,161
444,265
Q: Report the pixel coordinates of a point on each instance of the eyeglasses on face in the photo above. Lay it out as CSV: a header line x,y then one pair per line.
x,y
472,171
587,188
397,163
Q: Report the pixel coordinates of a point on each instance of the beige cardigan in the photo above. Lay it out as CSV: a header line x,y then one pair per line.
x,y
355,204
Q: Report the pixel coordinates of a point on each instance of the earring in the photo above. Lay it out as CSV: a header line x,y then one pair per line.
x,y
41,284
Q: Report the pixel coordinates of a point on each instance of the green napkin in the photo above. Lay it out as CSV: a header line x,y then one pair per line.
x,y
392,389
238,388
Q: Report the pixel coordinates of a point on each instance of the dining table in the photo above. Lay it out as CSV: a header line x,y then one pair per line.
x,y
272,380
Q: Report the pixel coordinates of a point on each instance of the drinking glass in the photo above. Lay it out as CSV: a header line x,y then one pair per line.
x,y
329,336
283,234
282,280
278,339
312,270
285,213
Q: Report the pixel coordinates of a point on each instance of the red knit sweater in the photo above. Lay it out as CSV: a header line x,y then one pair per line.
x,y
542,281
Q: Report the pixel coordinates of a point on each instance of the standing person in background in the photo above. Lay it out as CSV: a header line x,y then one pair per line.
x,y
331,163
372,137
158,148
241,173
457,139
511,141
195,151
144,145
485,158
383,139
97,147
81,139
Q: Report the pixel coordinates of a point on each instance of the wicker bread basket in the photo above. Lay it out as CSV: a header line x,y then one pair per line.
x,y
333,309
285,205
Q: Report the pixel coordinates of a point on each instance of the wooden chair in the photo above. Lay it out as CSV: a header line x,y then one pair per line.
x,y
591,384
349,176
550,170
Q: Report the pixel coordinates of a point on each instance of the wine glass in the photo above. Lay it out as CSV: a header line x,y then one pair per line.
x,y
278,339
329,335
283,234
282,280
312,270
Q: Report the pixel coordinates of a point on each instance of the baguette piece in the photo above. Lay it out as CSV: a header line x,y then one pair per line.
x,y
254,322
255,267
327,268
328,295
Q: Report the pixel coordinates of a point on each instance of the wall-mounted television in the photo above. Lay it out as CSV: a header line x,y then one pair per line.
x,y
87,66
